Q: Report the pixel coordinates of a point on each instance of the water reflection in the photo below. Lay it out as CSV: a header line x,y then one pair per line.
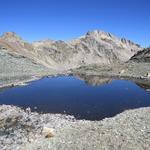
x,y
94,80
85,97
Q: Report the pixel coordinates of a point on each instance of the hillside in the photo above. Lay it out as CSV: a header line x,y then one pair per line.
x,y
16,68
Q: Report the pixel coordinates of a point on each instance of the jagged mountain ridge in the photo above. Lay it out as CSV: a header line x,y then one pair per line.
x,y
96,47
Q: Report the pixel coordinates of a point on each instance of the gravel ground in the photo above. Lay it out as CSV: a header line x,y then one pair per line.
x,y
15,69
23,130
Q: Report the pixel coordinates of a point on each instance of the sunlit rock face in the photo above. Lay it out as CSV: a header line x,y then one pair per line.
x,y
96,47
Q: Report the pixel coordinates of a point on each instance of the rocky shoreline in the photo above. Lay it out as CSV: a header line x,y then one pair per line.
x,y
129,71
124,70
25,130
24,81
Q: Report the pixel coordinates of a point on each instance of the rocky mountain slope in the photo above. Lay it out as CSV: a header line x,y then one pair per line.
x,y
16,45
105,47
142,56
15,68
95,47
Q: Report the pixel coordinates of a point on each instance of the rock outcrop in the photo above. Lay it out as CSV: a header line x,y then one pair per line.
x,y
142,56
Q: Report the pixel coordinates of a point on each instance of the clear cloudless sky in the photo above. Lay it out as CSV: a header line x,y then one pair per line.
x,y
67,19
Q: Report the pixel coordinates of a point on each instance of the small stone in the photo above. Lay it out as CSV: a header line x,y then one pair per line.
x,y
48,132
122,71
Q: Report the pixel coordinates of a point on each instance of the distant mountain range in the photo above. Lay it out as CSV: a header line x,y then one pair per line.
x,y
96,47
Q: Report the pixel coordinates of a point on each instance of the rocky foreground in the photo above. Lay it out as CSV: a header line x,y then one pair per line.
x,y
25,130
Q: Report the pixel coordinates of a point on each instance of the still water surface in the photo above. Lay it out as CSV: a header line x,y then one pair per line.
x,y
93,99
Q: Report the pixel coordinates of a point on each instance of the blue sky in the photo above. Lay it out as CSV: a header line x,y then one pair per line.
x,y
67,19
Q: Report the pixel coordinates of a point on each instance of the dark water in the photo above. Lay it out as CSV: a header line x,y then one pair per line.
x,y
77,97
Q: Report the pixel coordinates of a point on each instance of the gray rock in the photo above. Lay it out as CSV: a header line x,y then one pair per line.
x,y
142,56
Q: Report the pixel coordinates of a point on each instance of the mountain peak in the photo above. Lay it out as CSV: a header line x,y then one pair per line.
x,y
97,32
100,35
11,36
106,36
